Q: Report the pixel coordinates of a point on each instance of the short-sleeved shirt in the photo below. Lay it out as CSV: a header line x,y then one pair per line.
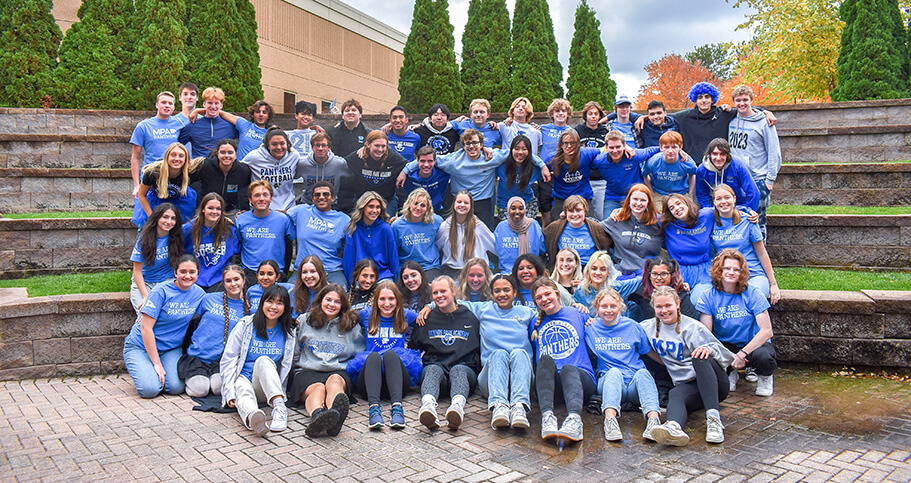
x,y
405,145
740,237
734,315
579,239
508,244
172,309
550,138
618,346
251,137
160,270
154,136
492,136
417,241
386,337
208,341
562,337
320,233
271,346
263,238
667,178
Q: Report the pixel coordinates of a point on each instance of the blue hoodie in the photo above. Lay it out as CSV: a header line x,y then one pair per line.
x,y
622,175
734,174
205,134
376,242
477,176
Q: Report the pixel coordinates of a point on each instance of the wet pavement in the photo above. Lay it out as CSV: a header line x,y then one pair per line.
x,y
815,428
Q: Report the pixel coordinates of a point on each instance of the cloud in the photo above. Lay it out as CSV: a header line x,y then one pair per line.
x,y
634,33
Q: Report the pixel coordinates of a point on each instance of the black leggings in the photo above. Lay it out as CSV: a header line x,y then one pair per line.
x,y
705,392
763,359
387,368
574,384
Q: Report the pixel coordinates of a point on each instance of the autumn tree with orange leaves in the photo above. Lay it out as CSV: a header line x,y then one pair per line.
x,y
669,81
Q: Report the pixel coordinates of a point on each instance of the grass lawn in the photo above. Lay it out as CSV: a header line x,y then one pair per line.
x,y
71,214
798,278
43,285
838,210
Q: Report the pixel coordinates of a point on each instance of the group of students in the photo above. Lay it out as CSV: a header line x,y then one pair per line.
x,y
380,305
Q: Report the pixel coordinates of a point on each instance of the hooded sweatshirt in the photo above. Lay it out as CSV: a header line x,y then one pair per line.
x,y
370,175
650,133
448,340
698,129
333,170
734,174
232,187
755,143
376,242
443,141
280,172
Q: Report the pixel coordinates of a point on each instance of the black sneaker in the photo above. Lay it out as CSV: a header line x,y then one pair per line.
x,y
340,405
321,420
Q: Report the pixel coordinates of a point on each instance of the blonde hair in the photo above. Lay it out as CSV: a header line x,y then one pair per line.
x,y
358,213
599,256
464,292
480,102
413,198
529,111
399,324
742,90
665,291
213,93
559,104
577,273
164,171
609,292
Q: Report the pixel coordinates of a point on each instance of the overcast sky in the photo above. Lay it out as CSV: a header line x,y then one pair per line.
x,y
634,32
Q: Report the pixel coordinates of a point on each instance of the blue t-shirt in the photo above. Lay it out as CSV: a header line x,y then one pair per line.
x,y
526,298
691,246
320,233
437,185
568,183
561,336
271,346
417,241
251,137
492,137
626,128
734,315
740,237
211,261
208,341
159,271
255,294
618,346
579,239
263,238
508,244
550,138
300,140
154,136
405,145
669,178
504,192
386,337
172,309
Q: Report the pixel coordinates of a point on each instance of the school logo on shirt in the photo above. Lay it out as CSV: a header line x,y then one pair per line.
x,y
572,177
208,255
164,133
731,312
325,349
319,224
559,339
668,348
439,144
448,336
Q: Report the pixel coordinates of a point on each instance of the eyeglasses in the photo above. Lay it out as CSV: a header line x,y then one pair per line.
x,y
661,274
322,194
568,143
321,145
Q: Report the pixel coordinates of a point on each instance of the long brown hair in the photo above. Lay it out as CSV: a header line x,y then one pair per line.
x,y
548,283
301,291
222,229
723,187
471,222
358,213
347,318
243,296
560,159
399,324
667,218
717,269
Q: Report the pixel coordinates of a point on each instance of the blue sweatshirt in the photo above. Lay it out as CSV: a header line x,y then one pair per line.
x,y
405,145
734,174
417,241
690,245
320,233
476,176
621,176
205,134
376,242
508,244
562,336
502,329
211,261
437,184
504,193
568,183
492,137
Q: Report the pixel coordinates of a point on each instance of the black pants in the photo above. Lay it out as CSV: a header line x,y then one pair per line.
x,y
705,392
763,359
483,209
663,380
386,371
573,384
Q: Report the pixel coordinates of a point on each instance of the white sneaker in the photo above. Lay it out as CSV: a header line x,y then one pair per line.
x,y
732,379
258,422
517,417
649,426
670,434
612,429
428,415
750,374
764,386
714,430
500,417
454,415
549,427
279,418
571,429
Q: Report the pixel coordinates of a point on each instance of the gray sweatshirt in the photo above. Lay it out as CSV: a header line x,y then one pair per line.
x,y
280,172
326,349
333,170
676,350
755,143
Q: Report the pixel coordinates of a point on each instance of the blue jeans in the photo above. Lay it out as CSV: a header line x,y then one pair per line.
x,y
506,378
144,376
609,207
762,283
598,200
641,390
337,276
764,198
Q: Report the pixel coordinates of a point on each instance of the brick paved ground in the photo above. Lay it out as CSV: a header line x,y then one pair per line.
x,y
96,428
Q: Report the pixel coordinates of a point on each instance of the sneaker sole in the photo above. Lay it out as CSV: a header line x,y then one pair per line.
x,y
522,424
550,436
453,419
763,394
397,425
663,436
567,438
707,440
429,420
613,438
258,423
340,404
500,423
321,423
375,426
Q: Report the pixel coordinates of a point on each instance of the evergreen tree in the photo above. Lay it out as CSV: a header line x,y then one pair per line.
x,y
160,48
96,57
429,72
589,74
224,51
536,70
29,39
486,54
873,62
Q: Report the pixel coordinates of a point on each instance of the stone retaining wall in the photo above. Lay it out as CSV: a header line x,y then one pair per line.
x,y
82,335
31,190
49,246
874,184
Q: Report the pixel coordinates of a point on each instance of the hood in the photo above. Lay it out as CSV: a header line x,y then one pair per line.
x,y
426,123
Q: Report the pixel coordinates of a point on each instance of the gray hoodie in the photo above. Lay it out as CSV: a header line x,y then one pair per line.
x,y
676,350
326,349
755,143
280,172
333,170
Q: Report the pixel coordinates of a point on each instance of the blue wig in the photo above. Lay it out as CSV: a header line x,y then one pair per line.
x,y
704,88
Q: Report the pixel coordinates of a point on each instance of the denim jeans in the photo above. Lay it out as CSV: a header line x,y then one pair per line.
x,y
609,207
140,368
506,378
640,391
598,187
762,283
764,198
337,276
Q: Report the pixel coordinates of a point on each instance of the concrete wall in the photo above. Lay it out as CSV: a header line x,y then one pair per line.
x,y
873,184
33,190
81,335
